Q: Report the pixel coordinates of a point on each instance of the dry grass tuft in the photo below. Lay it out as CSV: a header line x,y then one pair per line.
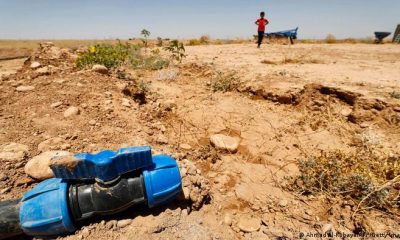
x,y
225,82
363,176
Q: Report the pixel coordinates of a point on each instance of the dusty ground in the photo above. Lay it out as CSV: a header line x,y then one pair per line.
x,y
294,101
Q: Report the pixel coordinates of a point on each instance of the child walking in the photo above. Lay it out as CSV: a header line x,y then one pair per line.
x,y
262,22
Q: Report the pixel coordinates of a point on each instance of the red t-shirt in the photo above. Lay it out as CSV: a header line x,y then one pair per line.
x,y
261,24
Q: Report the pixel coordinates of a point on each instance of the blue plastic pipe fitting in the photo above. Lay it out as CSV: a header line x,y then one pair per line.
x,y
82,190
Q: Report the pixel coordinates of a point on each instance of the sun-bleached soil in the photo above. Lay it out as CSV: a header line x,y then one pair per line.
x,y
294,101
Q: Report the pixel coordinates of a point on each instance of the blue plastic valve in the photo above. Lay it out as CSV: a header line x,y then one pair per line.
x,y
105,165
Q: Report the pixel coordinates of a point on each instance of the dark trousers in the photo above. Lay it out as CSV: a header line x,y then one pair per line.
x,y
260,38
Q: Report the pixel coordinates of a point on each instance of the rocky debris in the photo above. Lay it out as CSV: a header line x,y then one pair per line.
x,y
43,71
225,143
124,223
126,102
25,88
56,104
51,144
249,224
162,139
196,188
122,86
39,166
35,65
23,181
346,112
49,51
92,122
327,228
228,219
100,69
185,146
169,104
71,111
3,177
13,152
55,143
283,203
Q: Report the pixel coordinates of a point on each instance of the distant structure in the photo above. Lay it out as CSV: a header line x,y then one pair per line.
x,y
396,36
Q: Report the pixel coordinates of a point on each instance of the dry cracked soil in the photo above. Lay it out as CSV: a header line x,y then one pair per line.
x,y
292,102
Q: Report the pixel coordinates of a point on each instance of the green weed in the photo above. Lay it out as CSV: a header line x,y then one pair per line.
x,y
110,56
177,50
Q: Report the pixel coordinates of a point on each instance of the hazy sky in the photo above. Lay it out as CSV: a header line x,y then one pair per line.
x,y
89,19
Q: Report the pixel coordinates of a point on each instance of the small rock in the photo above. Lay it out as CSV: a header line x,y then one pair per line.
x,y
183,172
223,142
169,104
43,71
186,193
185,146
4,190
3,177
13,152
25,88
50,144
65,146
125,102
39,166
71,111
283,203
228,219
111,224
85,232
92,122
162,139
100,69
35,65
346,112
122,86
60,81
248,224
327,228
397,109
56,104
319,102
184,212
23,180
124,223
364,125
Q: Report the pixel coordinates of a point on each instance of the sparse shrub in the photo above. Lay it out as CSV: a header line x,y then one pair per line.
x,y
108,55
225,82
143,86
159,42
330,39
359,176
177,50
204,39
395,94
350,40
152,62
194,42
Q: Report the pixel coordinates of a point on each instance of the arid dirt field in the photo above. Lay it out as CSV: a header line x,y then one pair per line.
x,y
290,103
